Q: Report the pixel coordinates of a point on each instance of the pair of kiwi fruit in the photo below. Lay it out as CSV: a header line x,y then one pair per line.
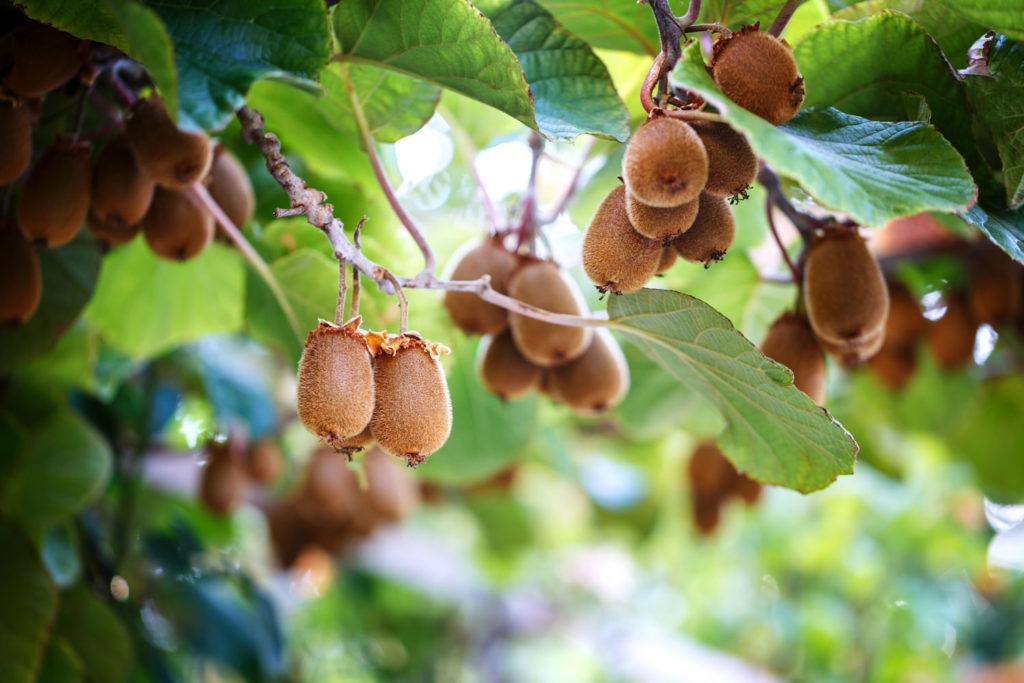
x,y
231,466
713,480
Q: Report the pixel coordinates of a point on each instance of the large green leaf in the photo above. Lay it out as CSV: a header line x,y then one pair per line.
x,y
735,14
1005,16
61,664
223,47
989,432
1004,227
95,634
609,24
872,170
572,91
28,602
774,432
145,305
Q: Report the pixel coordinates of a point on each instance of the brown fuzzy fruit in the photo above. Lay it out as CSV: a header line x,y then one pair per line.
x,y
177,227
545,285
264,462
121,191
172,157
616,257
711,234
665,163
230,187
336,384
845,292
21,282
669,256
503,370
108,237
357,442
15,140
894,365
905,323
854,354
758,72
332,485
660,224
390,488
412,414
748,489
710,472
55,196
791,342
732,164
472,314
36,58
951,337
994,288
222,483
595,382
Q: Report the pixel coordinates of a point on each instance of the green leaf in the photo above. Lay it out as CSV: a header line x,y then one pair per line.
x,y
487,433
872,170
983,432
145,305
998,102
28,603
733,14
609,24
1004,16
223,47
1005,228
773,432
95,634
60,664
65,466
572,91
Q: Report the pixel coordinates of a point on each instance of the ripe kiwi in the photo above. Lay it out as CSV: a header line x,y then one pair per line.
x,y
264,462
412,414
545,285
660,224
36,58
336,385
174,158
390,489
596,381
55,196
845,292
894,365
176,226
791,342
230,187
951,337
616,257
222,483
121,191
732,164
357,442
905,323
711,234
332,485
994,286
15,140
758,72
503,370
469,312
710,472
21,282
665,163
107,236
855,353
669,256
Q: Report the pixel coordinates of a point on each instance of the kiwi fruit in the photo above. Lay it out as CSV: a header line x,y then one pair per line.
x,y
854,354
711,234
264,462
121,191
544,285
791,342
732,164
747,489
469,312
665,163
951,337
758,72
336,385
230,187
994,289
176,226
55,196
894,365
503,370
596,381
21,280
669,256
905,323
332,485
172,157
223,482
706,513
357,442
616,257
15,140
107,236
660,224
390,489
412,414
36,58
844,290
710,472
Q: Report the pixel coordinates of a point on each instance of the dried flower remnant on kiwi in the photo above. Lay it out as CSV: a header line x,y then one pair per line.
x,y
616,257
665,163
757,71
468,311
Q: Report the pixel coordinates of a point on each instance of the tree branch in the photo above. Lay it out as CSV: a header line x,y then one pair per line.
x,y
785,14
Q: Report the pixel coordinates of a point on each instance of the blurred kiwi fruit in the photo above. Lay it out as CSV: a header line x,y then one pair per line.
x,y
669,256
468,311
503,370
176,226
951,337
791,342
391,489
748,489
855,353
732,164
711,234
230,187
616,257
172,157
21,281
544,285
905,323
994,288
222,484
894,365
333,485
107,236
595,382
36,58
665,163
15,140
660,224
55,195
121,191
758,72
264,462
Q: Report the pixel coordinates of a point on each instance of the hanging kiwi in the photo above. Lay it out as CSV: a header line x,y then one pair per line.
x,y
758,72
230,187
412,414
894,365
748,489
669,256
544,285
176,226
469,312
172,157
905,323
994,288
36,58
711,234
616,257
951,337
854,354
333,485
595,382
121,191
55,196
222,483
357,442
791,342
108,237
503,370
663,225
732,164
665,163
21,282
15,140
390,489
264,462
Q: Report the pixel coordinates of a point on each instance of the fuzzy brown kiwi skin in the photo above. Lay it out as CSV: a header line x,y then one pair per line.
x,y
335,396
503,370
108,237
172,157
357,442
663,225
732,164
230,187
544,285
595,382
665,163
21,283
121,191
469,312
994,289
669,256
791,342
390,489
55,196
854,354
894,365
758,72
905,323
36,58
177,227
616,257
951,337
15,140
222,484
711,234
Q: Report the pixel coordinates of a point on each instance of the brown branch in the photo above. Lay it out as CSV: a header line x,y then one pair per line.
x,y
783,17
339,307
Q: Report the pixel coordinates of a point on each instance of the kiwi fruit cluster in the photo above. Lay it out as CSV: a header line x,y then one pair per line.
x,y
232,465
713,480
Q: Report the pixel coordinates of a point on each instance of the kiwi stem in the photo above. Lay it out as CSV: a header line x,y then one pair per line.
x,y
797,278
469,151
804,223
713,28
783,17
339,307
692,12
527,230
403,303
80,113
647,88
353,309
